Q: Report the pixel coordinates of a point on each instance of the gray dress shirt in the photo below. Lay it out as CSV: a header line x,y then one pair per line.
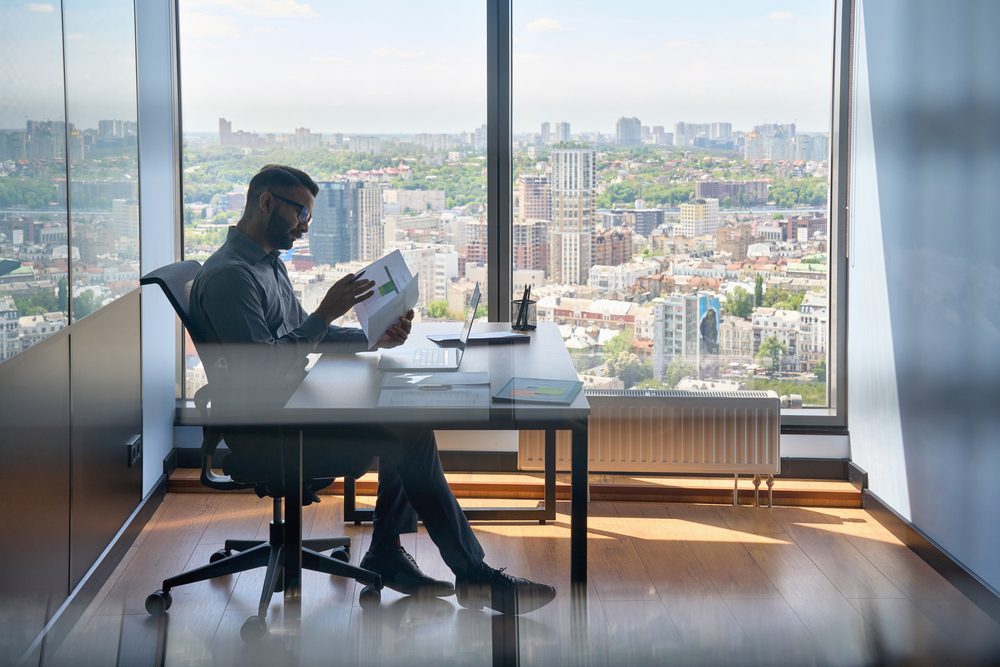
x,y
254,333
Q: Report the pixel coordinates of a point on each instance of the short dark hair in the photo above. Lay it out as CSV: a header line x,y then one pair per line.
x,y
278,176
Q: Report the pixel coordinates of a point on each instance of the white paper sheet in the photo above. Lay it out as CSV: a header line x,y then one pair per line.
x,y
396,292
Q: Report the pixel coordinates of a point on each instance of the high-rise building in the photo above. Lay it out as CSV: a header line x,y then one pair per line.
x,y
720,131
333,233
612,247
124,218
686,133
770,142
546,133
740,193
530,245
371,237
562,132
573,182
628,131
734,241
812,147
698,217
534,197
686,328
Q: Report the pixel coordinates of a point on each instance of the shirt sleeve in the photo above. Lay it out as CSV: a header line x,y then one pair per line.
x,y
232,302
344,340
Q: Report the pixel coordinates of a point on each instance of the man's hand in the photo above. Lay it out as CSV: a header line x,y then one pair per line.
x,y
398,333
343,295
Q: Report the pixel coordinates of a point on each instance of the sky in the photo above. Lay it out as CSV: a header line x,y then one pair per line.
x,y
100,62
400,66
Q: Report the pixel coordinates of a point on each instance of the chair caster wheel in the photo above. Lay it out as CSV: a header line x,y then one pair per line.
x,y
158,602
370,598
342,554
219,555
253,628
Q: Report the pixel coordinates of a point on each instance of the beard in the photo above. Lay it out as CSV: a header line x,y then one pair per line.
x,y
278,234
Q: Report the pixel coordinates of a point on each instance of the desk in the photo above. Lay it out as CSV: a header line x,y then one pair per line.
x,y
321,398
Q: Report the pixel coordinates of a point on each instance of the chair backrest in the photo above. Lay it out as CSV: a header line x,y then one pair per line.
x,y
175,280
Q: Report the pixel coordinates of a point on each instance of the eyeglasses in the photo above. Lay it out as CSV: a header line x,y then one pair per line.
x,y
304,215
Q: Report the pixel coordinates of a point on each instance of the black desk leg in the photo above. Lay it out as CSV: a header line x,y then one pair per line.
x,y
578,511
293,519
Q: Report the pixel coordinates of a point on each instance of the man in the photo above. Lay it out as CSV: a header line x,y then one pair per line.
x,y
242,303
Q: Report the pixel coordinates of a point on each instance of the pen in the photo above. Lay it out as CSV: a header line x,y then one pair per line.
x,y
522,311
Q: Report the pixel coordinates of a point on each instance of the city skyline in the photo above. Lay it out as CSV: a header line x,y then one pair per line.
x,y
678,63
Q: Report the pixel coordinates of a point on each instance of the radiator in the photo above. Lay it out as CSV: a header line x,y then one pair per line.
x,y
662,431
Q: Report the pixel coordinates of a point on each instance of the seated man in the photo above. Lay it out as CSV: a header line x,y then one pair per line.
x,y
243,303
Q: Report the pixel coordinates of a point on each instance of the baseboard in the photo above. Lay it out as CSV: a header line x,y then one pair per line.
x,y
471,461
949,567
857,476
63,620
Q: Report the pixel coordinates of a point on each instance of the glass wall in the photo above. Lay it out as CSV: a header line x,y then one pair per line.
x,y
103,154
385,107
671,179
33,224
69,212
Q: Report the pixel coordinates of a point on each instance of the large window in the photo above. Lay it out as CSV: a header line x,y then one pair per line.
x,y
385,107
671,178
670,167
69,225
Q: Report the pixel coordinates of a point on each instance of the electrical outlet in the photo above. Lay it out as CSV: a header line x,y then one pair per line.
x,y
134,449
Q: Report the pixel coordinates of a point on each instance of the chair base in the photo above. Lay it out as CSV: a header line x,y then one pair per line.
x,y
251,554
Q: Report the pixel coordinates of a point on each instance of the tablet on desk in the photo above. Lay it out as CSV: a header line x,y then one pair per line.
x,y
482,338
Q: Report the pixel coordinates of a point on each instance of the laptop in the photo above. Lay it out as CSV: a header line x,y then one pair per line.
x,y
432,358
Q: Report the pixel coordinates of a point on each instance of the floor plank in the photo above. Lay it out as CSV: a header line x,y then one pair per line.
x,y
669,584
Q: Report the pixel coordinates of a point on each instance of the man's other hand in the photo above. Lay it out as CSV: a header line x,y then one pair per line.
x,y
397,334
343,296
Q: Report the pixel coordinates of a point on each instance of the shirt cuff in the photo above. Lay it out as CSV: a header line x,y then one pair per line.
x,y
313,328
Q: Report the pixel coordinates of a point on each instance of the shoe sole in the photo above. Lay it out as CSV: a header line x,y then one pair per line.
x,y
523,605
420,591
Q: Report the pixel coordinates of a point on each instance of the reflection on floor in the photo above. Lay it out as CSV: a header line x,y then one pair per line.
x,y
669,584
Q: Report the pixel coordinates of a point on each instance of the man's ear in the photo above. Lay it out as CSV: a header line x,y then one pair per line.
x,y
265,202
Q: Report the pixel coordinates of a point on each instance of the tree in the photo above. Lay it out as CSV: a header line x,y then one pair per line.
x,y
62,294
820,371
772,350
630,369
619,345
437,310
758,291
84,304
738,303
678,370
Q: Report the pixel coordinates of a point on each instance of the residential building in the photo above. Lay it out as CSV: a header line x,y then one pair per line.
x,y
573,183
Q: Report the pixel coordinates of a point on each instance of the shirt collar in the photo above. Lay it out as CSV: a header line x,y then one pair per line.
x,y
247,248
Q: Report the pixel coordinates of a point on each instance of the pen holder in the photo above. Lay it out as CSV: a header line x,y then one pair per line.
x,y
523,315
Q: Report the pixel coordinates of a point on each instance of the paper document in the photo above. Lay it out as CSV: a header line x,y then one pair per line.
x,y
396,292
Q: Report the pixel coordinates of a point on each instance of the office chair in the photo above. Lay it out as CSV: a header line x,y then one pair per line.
x,y
241,555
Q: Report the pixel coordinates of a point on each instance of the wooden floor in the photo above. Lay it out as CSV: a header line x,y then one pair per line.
x,y
669,583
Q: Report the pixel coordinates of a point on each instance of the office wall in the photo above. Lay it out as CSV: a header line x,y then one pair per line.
x,y
159,197
924,313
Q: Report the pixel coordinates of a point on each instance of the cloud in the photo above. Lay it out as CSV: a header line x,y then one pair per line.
x,y
780,15
753,43
207,26
270,8
681,44
545,24
40,7
321,59
392,52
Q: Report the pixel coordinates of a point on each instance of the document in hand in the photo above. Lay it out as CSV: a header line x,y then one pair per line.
x,y
396,292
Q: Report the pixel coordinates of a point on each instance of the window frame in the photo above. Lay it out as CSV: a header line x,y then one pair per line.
x,y
829,420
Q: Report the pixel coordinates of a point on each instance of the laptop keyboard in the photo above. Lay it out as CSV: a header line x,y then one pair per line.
x,y
429,357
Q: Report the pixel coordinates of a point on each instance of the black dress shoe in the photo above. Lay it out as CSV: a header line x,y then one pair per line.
x,y
400,573
486,587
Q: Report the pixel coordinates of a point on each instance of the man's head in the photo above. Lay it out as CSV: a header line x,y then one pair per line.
x,y
279,206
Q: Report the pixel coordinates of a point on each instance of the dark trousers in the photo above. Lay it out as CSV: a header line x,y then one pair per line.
x,y
411,482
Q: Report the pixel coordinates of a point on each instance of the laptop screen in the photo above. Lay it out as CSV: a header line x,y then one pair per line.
x,y
467,329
